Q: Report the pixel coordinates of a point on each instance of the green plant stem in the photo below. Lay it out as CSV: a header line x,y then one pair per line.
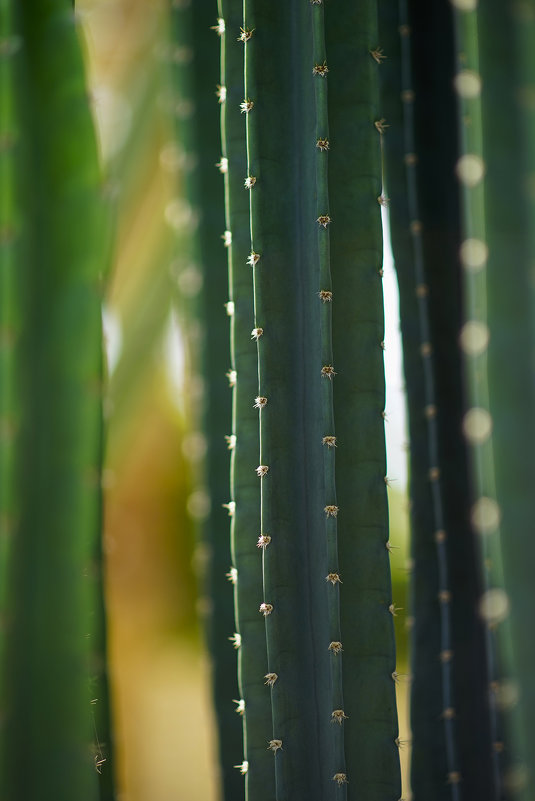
x,y
281,150
47,752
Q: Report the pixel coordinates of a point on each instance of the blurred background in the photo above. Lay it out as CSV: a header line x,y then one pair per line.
x,y
154,500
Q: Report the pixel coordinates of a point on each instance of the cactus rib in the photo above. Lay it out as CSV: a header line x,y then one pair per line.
x,y
371,730
257,766
325,299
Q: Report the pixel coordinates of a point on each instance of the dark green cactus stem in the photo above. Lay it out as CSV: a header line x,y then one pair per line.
x,y
196,74
47,729
371,731
452,774
450,717
294,596
477,423
325,300
495,84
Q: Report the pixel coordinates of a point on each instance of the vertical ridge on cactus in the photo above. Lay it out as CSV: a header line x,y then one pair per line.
x,y
286,282
245,487
338,765
475,353
194,81
359,391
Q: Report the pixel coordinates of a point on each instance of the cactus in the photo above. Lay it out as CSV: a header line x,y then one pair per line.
x,y
292,584
328,112
52,259
449,697
457,737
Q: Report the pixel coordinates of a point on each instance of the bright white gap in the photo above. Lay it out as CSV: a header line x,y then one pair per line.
x,y
395,407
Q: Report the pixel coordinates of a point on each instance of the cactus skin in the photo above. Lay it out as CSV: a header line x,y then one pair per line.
x,y
283,232
358,330
453,744
47,726
325,301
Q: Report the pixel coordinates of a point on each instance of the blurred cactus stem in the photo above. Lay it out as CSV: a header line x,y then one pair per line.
x,y
495,86
51,261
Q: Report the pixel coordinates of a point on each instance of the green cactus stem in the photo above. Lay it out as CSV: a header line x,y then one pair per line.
x,y
11,286
450,719
494,81
325,302
47,733
477,425
294,593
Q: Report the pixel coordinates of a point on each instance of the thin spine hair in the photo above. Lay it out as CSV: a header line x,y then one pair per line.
x,y
445,656
325,300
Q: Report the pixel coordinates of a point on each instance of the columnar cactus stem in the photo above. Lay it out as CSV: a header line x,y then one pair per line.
x,y
494,83
46,720
429,402
474,338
